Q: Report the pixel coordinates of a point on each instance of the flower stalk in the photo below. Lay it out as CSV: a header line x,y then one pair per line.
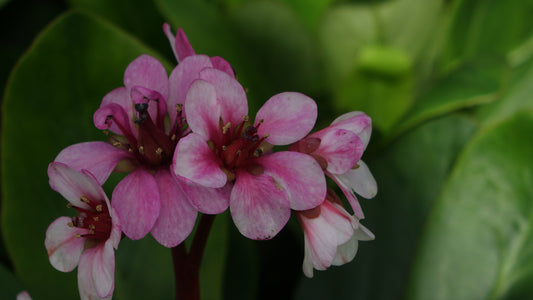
x,y
187,265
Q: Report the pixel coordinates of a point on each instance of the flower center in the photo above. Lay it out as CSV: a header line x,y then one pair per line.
x,y
239,146
96,219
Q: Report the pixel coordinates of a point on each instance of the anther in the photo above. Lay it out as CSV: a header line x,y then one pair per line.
x,y
179,107
159,151
224,147
355,167
70,224
226,127
92,227
99,207
96,219
173,137
141,107
141,149
77,235
84,199
117,144
69,205
245,118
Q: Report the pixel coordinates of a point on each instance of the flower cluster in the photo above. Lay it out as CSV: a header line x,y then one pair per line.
x,y
188,146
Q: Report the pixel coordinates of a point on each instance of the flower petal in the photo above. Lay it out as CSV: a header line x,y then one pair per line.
x,y
182,46
112,116
222,65
120,97
206,200
360,180
137,203
24,295
340,148
64,249
203,110
350,196
177,217
96,272
230,95
288,117
181,79
258,207
99,158
356,122
72,185
147,72
195,161
299,174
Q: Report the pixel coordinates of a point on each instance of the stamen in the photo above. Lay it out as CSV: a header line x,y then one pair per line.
x,y
179,107
355,167
141,149
117,144
224,147
70,224
77,235
158,151
84,199
69,205
96,219
226,127
173,137
99,208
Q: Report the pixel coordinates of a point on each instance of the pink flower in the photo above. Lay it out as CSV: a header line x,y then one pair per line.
x,y
338,149
183,49
226,150
24,295
331,235
87,240
145,120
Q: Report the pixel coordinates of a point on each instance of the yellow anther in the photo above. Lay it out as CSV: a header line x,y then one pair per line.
x,y
226,127
179,107
238,152
117,144
173,137
84,199
91,227
69,205
70,224
96,219
245,118
91,231
224,147
99,208
141,149
355,167
77,235
130,150
158,151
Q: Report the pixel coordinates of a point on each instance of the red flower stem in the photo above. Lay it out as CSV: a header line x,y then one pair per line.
x,y
187,266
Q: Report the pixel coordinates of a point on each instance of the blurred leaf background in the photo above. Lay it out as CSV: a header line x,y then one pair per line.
x,y
448,84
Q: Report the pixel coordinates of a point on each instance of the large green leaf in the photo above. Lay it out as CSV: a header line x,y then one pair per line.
x,y
10,285
141,18
479,241
409,173
475,83
49,103
488,27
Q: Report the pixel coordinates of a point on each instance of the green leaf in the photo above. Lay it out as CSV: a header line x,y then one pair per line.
x,y
309,12
282,48
49,102
517,95
476,83
144,270
409,174
342,32
488,27
139,17
10,285
479,240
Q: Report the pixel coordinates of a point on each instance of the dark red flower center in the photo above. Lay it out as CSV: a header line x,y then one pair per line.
x,y
239,146
96,219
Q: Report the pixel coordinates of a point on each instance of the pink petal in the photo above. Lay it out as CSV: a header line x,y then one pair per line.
x,y
137,203
96,272
346,252
360,180
350,196
195,161
99,158
299,175
177,217
206,200
182,45
171,38
64,249
356,122
340,148
157,107
288,117
147,72
230,95
258,206
24,295
181,79
72,185
120,97
222,65
320,241
203,110
112,116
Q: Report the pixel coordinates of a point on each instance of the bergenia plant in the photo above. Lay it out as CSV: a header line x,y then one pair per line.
x,y
87,240
188,145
